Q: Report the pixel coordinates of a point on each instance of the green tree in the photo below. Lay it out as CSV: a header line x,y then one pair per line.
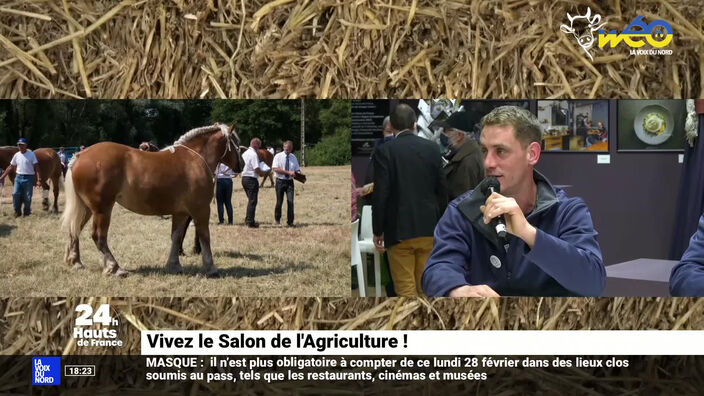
x,y
273,121
333,149
337,114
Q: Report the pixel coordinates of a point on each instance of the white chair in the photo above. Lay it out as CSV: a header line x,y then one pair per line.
x,y
366,246
357,260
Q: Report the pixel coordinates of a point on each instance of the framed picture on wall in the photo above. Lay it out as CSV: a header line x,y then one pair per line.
x,y
651,125
574,125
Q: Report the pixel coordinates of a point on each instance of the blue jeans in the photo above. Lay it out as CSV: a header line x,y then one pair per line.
x,y
24,188
224,197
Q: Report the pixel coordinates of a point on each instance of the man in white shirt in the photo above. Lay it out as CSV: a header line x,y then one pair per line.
x,y
250,180
285,166
25,163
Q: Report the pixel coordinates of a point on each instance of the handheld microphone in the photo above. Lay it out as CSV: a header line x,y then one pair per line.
x,y
493,186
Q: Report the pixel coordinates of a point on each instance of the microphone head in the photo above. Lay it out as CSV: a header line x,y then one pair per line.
x,y
493,184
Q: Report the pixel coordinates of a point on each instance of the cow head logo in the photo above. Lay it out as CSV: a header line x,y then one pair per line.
x,y
583,28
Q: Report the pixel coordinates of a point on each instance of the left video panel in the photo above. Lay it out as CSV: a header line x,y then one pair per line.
x,y
174,198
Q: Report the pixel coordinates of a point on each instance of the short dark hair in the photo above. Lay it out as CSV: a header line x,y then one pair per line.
x,y
403,117
526,127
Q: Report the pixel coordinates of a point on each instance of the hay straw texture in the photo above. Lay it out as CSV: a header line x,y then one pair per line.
x,y
334,48
38,326
45,325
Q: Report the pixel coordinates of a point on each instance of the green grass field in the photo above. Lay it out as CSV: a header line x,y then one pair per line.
x,y
309,260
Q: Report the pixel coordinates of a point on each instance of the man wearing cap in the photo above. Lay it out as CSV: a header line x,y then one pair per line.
x,y
465,168
27,168
285,166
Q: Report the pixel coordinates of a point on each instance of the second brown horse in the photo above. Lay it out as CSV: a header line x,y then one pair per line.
x,y
268,159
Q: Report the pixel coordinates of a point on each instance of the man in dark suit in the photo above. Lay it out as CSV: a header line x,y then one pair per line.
x,y
410,195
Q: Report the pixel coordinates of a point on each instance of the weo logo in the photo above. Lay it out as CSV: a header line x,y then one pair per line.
x,y
658,33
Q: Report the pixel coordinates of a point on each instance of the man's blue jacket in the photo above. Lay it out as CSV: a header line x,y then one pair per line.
x,y
565,260
687,278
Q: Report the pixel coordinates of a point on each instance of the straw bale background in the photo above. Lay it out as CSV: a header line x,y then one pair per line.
x,y
36,326
335,48
45,325
352,49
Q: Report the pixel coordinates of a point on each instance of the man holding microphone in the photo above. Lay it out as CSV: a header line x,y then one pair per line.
x,y
551,247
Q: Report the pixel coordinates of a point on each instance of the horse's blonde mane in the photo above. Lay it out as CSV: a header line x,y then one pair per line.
x,y
194,133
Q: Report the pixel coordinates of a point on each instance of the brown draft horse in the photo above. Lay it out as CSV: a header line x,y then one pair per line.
x,y
149,146
49,169
6,153
177,181
268,158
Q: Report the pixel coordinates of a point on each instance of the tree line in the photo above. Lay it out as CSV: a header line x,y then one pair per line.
x,y
54,123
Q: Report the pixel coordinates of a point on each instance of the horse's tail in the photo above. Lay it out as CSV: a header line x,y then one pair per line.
x,y
62,187
60,178
75,210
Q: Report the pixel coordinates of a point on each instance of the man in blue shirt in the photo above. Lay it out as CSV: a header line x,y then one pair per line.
x,y
687,278
551,247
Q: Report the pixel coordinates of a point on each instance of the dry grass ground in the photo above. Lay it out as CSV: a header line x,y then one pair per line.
x,y
309,260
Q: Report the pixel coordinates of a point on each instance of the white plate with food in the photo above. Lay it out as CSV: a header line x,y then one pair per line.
x,y
654,124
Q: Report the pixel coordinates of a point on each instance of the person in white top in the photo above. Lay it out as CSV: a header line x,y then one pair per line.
x,y
27,168
223,193
285,166
62,158
250,180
